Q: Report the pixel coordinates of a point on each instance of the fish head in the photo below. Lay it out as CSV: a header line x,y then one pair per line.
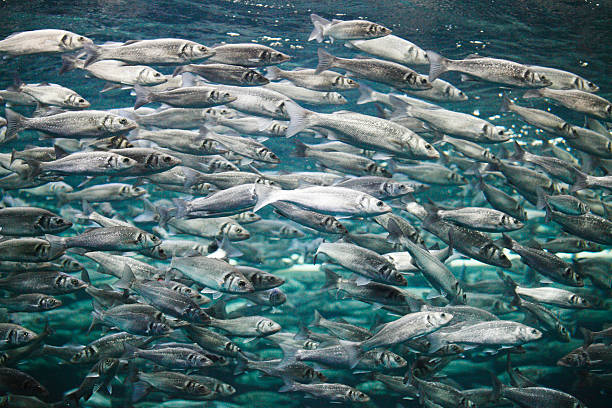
x,y
69,282
536,78
274,57
416,81
252,77
562,333
232,348
417,55
72,41
32,387
235,232
511,222
438,319
109,365
270,280
19,336
466,403
577,358
249,217
494,133
157,329
276,297
76,101
70,264
311,345
579,301
149,76
267,326
570,275
396,189
391,360
568,131
237,283
584,85
194,51
374,30
344,82
119,124
277,128
334,98
357,396
267,155
225,389
86,354
456,178
453,93
132,191
196,388
526,333
332,224
197,315
53,224
396,278
220,97
371,205
49,302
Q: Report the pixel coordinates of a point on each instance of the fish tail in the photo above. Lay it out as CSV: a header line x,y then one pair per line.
x,y
588,337
126,279
320,24
265,196
532,93
69,63
317,318
94,54
180,69
273,73
300,149
242,365
437,65
541,204
143,96
353,351
508,281
519,153
299,118
57,244
366,95
326,61
331,279
580,181
15,123
506,103
182,207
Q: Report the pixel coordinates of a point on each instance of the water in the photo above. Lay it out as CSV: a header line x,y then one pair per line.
x,y
570,35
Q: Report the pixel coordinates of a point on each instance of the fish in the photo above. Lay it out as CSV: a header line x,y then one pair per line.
x,y
247,55
488,69
157,51
224,74
577,100
325,81
42,41
345,30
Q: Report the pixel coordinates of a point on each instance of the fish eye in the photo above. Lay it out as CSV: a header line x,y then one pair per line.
x,y
242,284
202,48
167,159
428,146
423,80
126,160
157,75
379,203
81,100
74,282
123,121
81,39
534,331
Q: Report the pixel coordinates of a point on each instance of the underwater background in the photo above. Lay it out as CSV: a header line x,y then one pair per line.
x,y
569,35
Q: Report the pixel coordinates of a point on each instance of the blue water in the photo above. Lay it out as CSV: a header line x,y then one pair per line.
x,y
570,35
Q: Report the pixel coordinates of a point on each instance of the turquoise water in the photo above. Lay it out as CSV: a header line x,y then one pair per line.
x,y
570,35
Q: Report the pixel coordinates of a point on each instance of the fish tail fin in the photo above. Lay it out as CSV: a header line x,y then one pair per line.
x,y
299,118
143,96
317,318
265,196
300,149
437,65
320,24
497,385
508,281
179,70
519,152
139,390
288,387
273,73
541,204
182,207
436,343
15,123
366,94
532,93
353,351
242,365
69,63
126,279
94,53
130,350
289,353
580,181
326,61
588,337
506,103
331,279
57,244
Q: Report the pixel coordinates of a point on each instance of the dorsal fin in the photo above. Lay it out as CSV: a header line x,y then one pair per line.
x,y
59,152
130,42
473,56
